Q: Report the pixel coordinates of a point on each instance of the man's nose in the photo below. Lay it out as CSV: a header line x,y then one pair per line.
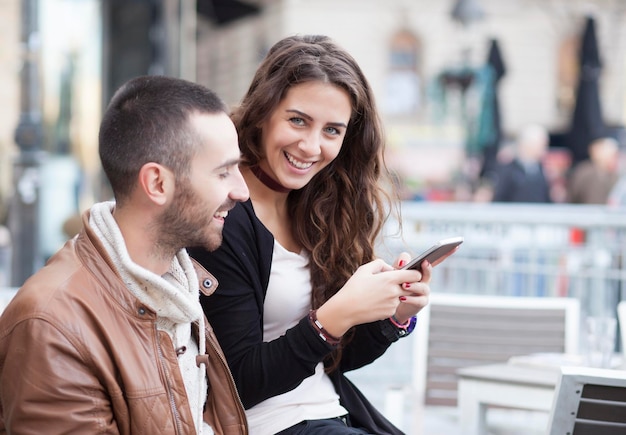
x,y
240,192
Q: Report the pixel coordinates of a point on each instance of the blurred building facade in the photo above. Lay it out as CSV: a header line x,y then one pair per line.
x,y
425,64
408,50
9,94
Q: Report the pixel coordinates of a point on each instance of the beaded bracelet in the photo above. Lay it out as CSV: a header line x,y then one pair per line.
x,y
328,338
397,324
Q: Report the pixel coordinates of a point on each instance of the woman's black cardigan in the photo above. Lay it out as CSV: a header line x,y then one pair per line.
x,y
235,311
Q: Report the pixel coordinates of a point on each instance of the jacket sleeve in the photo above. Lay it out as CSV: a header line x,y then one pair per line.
x,y
241,265
47,386
503,183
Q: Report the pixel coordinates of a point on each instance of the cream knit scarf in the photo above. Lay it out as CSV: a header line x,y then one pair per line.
x,y
174,297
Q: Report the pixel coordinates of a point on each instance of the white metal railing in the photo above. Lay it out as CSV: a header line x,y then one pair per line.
x,y
522,249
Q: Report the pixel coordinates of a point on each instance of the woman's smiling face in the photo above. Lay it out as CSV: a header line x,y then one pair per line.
x,y
305,132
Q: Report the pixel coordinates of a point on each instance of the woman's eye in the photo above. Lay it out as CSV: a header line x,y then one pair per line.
x,y
332,130
297,121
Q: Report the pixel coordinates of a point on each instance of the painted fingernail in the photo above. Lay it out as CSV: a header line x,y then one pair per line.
x,y
406,285
401,263
402,298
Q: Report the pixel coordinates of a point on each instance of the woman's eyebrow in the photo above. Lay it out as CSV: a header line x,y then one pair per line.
x,y
301,114
304,115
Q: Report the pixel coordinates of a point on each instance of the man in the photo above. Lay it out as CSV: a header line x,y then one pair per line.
x,y
109,337
522,179
591,180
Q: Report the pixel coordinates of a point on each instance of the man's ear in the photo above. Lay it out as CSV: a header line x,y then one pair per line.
x,y
157,182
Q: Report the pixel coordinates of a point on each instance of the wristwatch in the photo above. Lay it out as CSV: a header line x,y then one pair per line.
x,y
394,333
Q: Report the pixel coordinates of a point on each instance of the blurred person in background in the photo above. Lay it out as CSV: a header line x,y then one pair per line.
x,y
302,297
522,179
110,337
591,181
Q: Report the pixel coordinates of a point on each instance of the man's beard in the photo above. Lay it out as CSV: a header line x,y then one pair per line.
x,y
185,223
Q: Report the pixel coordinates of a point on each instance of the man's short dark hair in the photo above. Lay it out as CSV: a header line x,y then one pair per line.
x,y
147,120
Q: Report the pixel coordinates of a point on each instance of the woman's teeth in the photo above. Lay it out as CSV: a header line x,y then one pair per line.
x,y
298,164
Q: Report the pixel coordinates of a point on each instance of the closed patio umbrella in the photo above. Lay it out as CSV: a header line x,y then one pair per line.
x,y
226,11
492,120
587,122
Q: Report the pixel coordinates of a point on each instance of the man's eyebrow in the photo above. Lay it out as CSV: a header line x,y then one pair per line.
x,y
229,163
304,115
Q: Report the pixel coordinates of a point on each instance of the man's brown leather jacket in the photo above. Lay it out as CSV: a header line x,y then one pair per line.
x,y
80,354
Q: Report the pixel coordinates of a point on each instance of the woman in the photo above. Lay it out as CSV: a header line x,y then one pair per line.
x,y
291,313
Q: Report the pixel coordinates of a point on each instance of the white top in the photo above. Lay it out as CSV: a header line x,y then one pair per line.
x,y
288,300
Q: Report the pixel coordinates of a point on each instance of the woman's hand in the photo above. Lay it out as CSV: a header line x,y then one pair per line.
x,y
374,292
420,290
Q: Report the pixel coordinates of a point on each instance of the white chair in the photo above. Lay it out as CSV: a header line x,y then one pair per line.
x,y
6,294
589,401
621,320
457,331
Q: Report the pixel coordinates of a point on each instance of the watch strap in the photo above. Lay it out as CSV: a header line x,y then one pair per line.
x,y
394,333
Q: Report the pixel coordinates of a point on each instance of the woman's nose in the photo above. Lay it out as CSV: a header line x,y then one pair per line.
x,y
311,144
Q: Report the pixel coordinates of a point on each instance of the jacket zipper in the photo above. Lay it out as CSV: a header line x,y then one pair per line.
x,y
170,395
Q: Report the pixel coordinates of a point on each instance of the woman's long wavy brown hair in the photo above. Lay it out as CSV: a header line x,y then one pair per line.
x,y
339,214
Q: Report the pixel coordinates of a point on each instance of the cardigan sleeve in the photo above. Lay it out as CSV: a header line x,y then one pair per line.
x,y
365,346
235,311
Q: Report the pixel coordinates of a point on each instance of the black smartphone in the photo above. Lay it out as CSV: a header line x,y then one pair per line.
x,y
435,252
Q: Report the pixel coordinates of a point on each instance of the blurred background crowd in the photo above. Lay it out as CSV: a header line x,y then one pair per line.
x,y
482,100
